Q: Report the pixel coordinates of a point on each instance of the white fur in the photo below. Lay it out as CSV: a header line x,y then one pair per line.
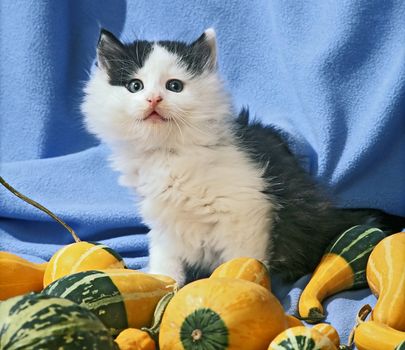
x,y
200,195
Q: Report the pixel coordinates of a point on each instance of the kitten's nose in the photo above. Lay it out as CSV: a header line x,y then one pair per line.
x,y
153,101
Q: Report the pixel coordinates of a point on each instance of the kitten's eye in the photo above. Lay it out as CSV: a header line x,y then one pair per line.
x,y
134,85
174,85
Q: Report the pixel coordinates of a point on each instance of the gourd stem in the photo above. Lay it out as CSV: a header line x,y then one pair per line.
x,y
196,334
40,207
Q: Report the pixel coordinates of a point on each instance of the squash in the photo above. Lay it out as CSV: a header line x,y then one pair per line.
x,y
400,346
221,313
120,298
329,331
301,338
19,276
342,267
371,335
135,339
244,268
293,321
386,278
35,321
81,256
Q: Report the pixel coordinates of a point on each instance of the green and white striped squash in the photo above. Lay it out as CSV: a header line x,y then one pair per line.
x,y
343,266
39,322
120,298
301,338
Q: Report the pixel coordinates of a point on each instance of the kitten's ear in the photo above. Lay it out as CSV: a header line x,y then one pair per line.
x,y
207,44
108,48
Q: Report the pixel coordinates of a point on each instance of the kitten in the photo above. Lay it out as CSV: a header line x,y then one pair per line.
x,y
213,187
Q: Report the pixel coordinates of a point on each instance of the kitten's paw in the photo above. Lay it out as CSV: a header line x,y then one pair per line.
x,y
178,276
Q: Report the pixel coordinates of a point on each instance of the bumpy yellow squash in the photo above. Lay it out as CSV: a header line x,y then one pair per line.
x,y
81,256
19,276
386,278
371,335
301,338
221,313
248,269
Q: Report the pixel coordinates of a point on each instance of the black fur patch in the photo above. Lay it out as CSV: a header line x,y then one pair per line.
x,y
122,61
195,57
305,219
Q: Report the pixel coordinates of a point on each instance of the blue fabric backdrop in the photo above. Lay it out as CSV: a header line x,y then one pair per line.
x,y
329,74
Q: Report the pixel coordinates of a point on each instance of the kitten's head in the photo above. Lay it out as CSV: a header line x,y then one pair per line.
x,y
157,94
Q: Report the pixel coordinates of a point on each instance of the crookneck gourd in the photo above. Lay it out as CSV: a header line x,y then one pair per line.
x,y
342,267
386,278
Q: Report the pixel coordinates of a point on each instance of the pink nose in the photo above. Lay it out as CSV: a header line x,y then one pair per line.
x,y
153,101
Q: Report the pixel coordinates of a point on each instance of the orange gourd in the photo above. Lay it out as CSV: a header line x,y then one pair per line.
x,y
248,269
135,339
292,321
19,276
329,331
221,313
386,278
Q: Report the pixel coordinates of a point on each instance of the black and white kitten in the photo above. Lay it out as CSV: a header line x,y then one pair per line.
x,y
212,187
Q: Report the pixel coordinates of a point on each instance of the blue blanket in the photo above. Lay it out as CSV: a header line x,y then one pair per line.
x,y
328,74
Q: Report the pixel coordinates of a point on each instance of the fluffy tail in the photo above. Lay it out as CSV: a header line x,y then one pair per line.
x,y
387,222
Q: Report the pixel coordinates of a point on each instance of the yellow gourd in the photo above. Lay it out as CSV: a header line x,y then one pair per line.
x,y
248,269
221,313
301,338
19,276
371,335
386,278
81,256
135,339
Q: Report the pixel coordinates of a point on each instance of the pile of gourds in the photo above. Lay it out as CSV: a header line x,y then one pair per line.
x,y
86,298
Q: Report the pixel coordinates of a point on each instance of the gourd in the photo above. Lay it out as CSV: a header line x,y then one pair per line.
x,y
371,335
81,256
221,313
19,276
36,321
135,339
244,268
120,298
342,267
292,321
386,278
301,338
329,331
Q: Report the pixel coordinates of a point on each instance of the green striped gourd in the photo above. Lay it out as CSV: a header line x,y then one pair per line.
x,y
38,322
342,267
81,256
301,338
120,298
